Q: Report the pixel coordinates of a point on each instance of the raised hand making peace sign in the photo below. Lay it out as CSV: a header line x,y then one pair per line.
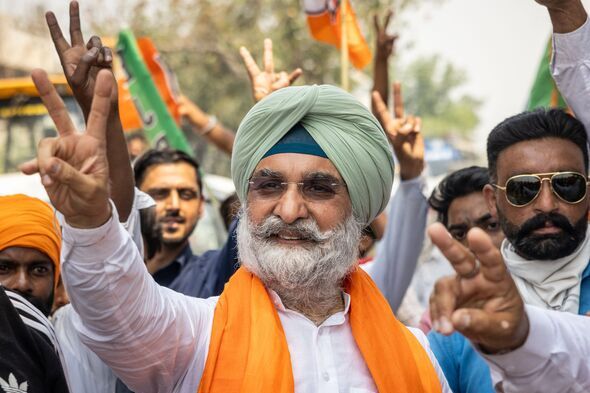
x,y
266,81
73,166
481,301
404,133
81,62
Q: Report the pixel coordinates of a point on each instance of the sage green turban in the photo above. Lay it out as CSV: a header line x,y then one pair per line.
x,y
345,129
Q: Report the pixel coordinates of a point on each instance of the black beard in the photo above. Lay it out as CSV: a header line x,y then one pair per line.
x,y
545,247
42,305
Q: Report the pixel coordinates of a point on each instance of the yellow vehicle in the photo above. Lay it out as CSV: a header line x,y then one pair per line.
x,y
24,119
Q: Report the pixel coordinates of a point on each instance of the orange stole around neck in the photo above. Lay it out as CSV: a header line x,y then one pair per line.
x,y
248,351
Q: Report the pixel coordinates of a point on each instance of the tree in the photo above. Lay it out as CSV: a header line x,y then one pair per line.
x,y
430,91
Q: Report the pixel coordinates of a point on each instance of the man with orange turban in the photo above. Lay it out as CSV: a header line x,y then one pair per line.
x,y
30,243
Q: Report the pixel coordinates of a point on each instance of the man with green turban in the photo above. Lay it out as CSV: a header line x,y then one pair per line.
x,y
344,129
312,167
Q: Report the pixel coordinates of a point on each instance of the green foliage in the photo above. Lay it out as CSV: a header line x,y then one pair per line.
x,y
430,91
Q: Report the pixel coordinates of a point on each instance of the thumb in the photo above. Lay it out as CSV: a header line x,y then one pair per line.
x,y
59,172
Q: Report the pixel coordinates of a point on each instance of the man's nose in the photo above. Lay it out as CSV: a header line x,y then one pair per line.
x,y
19,282
173,200
547,201
291,206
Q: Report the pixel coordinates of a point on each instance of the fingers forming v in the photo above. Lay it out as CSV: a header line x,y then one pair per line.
x,y
56,35
398,102
53,102
269,65
492,264
462,259
249,62
97,120
75,30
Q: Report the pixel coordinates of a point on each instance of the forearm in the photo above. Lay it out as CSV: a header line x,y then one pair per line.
x,y
222,138
381,79
398,251
567,16
120,171
554,358
570,67
126,318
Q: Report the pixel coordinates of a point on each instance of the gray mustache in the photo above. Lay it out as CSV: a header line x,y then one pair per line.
x,y
305,229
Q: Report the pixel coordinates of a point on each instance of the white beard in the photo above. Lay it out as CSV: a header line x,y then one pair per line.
x,y
305,276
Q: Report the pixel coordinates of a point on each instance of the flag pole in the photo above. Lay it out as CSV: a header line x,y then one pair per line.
x,y
343,45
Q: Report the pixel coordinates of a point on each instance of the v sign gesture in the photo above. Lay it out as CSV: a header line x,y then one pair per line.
x,y
404,133
481,301
266,81
73,166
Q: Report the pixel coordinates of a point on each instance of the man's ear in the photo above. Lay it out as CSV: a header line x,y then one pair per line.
x,y
489,194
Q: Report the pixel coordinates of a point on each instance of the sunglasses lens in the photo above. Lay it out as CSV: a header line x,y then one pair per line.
x,y
522,189
571,187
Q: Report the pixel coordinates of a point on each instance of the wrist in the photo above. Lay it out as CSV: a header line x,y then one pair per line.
x,y
90,221
567,16
516,340
409,173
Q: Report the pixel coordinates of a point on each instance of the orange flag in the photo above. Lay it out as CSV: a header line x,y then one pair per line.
x,y
323,18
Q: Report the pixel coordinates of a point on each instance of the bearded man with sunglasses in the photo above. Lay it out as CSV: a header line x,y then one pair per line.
x,y
539,193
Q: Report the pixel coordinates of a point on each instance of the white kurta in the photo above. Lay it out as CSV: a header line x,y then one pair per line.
x,y
157,340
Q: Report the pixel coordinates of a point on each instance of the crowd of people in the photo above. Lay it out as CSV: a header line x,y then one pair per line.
x,y
295,300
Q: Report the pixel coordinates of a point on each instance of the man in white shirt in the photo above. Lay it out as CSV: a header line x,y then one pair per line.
x,y
311,166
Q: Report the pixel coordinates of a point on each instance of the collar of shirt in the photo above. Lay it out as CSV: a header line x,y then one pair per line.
x,y
335,319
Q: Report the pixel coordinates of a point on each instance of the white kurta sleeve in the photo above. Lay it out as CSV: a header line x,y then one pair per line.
x,y
152,337
554,358
398,251
570,67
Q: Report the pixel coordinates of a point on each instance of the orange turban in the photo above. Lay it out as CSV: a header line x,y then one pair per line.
x,y
30,222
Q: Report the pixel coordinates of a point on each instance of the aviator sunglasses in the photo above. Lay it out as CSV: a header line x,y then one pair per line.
x,y
521,190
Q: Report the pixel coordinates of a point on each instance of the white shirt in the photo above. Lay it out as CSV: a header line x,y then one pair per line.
x,y
556,355
157,340
86,372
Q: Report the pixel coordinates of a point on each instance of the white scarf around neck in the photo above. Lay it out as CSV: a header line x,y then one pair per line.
x,y
550,284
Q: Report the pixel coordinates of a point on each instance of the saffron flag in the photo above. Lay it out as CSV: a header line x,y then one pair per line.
x,y
544,92
323,18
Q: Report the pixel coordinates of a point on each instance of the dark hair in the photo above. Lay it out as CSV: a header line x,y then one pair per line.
x,y
457,184
229,209
537,124
150,232
163,156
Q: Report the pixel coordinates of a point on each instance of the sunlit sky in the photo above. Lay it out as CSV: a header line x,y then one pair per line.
x,y
498,43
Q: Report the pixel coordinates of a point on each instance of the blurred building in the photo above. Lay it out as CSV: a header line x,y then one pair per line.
x,y
21,51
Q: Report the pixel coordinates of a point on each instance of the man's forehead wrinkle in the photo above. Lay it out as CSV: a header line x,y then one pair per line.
x,y
539,156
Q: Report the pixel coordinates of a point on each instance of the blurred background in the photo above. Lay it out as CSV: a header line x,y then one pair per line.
x,y
465,65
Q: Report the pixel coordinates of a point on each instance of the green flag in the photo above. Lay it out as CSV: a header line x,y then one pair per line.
x,y
544,92
158,124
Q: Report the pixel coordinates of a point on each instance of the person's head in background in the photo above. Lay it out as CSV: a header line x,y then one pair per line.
x,y
30,244
538,165
137,144
229,209
460,204
171,178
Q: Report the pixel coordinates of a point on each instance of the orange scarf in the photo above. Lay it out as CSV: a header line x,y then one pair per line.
x,y
249,352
